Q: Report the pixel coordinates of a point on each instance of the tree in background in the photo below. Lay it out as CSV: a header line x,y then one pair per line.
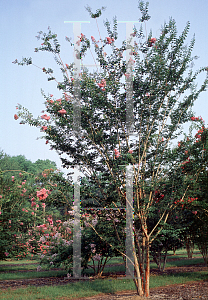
x,y
164,91
20,163
192,213
26,200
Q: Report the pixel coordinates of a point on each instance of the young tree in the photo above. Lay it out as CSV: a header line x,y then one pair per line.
x,y
164,91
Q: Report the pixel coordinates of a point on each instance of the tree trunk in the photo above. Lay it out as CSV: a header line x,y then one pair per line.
x,y
165,260
147,270
137,281
189,246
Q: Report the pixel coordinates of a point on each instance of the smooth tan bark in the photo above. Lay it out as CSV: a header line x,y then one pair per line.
x,y
147,271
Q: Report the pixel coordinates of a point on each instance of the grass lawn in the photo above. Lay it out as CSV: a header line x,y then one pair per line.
x,y
89,288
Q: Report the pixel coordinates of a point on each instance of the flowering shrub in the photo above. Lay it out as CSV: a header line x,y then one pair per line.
x,y
22,208
55,242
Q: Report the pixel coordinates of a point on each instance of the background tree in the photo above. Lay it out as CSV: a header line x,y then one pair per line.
x,y
20,207
20,163
192,213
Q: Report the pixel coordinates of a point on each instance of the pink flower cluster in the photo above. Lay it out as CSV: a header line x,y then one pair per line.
x,y
62,111
42,194
109,40
93,39
117,153
102,84
152,41
197,119
45,117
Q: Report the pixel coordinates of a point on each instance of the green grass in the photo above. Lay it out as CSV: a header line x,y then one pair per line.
x,y
6,274
27,267
182,253
180,263
92,288
16,262
88,288
29,275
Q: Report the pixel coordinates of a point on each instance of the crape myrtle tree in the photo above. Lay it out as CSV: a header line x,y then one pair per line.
x,y
26,200
192,214
164,90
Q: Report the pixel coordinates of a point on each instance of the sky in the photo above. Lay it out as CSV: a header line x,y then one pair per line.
x,y
20,20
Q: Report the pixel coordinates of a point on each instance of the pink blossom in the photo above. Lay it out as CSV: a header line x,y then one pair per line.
x,y
194,212
109,40
0,212
45,117
117,153
147,95
23,182
42,194
92,38
0,196
6,253
44,128
102,83
21,223
12,177
67,66
10,221
153,40
20,174
62,111
130,151
32,213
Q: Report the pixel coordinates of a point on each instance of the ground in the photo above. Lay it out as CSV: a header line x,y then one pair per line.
x,y
191,290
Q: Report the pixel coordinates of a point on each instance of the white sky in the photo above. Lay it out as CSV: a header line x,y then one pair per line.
x,y
20,20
